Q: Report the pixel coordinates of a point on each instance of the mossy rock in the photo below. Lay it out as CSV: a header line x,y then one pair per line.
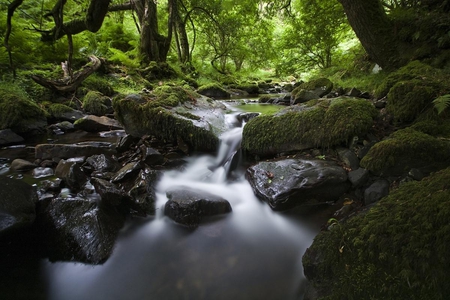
x,y
436,128
158,71
414,70
99,84
326,123
62,112
250,88
171,114
97,104
408,99
213,90
18,112
406,149
320,86
397,250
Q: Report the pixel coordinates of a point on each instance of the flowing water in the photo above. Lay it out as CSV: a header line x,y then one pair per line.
x,y
251,253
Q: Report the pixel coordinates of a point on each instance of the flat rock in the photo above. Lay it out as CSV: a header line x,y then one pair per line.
x,y
288,183
93,123
65,151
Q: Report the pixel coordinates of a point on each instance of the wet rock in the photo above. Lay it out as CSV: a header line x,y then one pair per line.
x,y
76,229
93,123
288,183
63,151
21,165
71,174
8,137
143,193
376,191
125,143
110,194
245,117
313,89
187,206
127,171
349,158
62,127
17,205
102,163
151,156
358,177
41,172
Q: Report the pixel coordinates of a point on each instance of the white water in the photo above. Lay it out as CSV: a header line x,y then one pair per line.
x,y
251,253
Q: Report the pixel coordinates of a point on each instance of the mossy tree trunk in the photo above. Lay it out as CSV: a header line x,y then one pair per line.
x,y
182,40
375,31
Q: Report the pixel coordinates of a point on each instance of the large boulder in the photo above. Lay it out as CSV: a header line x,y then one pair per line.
x,y
396,250
406,149
213,90
174,114
187,206
93,123
319,123
61,112
76,229
284,184
17,205
8,137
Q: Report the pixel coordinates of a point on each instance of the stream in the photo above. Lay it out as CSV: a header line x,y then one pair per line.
x,y
251,253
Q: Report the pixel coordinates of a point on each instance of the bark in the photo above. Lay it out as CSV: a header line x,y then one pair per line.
x,y
375,31
11,9
181,35
70,84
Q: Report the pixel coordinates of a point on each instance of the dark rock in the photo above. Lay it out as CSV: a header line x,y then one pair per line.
x,y
109,193
125,143
127,171
93,123
22,165
358,177
61,127
313,89
41,172
151,156
8,137
354,92
71,174
376,191
63,151
245,117
17,205
288,183
416,174
102,163
143,193
304,96
349,158
187,206
76,229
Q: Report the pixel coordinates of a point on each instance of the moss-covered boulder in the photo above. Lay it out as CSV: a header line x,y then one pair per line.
x,y
213,90
407,99
414,70
397,250
99,84
62,112
313,89
96,103
173,114
19,113
322,123
406,149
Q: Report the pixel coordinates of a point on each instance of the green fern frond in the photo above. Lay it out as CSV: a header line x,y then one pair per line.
x,y
441,103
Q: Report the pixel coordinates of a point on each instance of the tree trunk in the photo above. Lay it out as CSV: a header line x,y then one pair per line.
x,y
375,31
181,35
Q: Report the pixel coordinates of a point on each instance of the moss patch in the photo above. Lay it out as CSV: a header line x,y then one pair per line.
x,y
213,90
17,112
407,99
325,124
406,149
99,84
321,86
96,103
398,250
56,110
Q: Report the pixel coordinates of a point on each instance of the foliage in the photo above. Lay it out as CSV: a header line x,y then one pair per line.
x,y
396,250
441,103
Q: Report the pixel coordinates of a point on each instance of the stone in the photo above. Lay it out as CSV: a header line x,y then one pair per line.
x,y
376,191
358,177
151,156
8,137
354,92
109,193
21,165
65,151
125,143
102,163
127,171
143,192
71,174
17,205
77,229
349,158
288,183
188,206
41,172
93,123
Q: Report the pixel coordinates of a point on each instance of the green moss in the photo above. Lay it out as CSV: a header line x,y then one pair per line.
x,y
324,85
96,103
172,96
326,124
16,110
397,250
414,70
55,110
407,99
406,149
99,84
251,88
434,127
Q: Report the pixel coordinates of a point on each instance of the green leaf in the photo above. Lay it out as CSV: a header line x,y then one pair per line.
x,y
441,103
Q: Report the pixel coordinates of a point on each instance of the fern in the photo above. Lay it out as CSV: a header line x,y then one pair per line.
x,y
441,103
